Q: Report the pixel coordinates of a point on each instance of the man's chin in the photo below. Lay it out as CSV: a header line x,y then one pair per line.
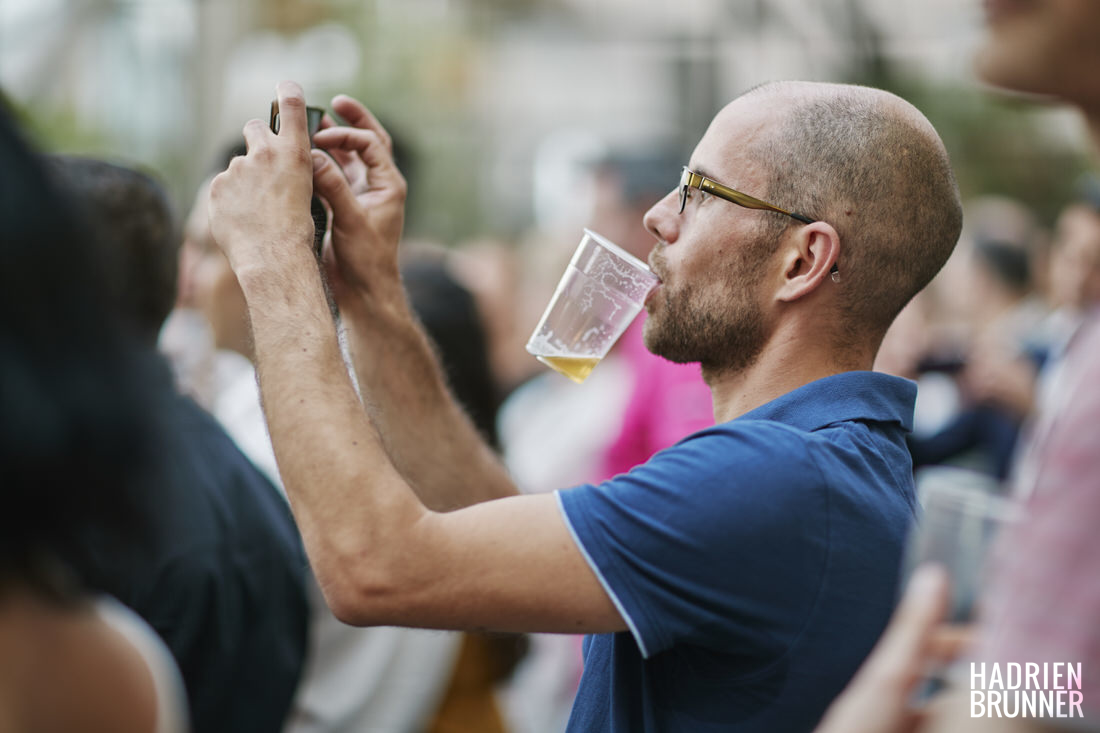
x,y
668,352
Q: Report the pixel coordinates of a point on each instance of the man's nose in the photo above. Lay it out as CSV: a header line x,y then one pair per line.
x,y
663,218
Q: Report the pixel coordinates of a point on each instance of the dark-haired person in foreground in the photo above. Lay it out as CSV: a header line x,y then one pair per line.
x,y
221,573
736,580
78,447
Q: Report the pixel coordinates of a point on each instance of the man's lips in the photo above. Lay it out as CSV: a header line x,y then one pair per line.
x,y
653,291
655,262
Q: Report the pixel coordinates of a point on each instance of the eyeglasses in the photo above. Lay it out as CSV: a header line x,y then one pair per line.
x,y
691,179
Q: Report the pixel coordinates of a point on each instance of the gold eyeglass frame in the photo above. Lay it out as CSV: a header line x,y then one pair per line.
x,y
691,179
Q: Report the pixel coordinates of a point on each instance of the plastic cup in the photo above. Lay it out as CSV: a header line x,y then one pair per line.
x,y
963,513
603,289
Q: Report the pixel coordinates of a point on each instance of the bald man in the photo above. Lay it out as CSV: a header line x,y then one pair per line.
x,y
734,581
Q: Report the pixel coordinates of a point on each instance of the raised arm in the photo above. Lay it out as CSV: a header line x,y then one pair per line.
x,y
380,555
426,434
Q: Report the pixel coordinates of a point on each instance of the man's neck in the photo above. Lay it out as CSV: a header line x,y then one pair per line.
x,y
784,365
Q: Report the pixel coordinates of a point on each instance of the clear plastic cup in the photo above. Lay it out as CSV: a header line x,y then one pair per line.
x,y
962,521
962,514
603,289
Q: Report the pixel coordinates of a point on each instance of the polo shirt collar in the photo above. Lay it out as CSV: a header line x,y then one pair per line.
x,y
841,397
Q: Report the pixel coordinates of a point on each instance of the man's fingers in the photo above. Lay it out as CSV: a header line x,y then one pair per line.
x,y
357,115
370,147
355,170
330,184
255,132
351,163
948,641
292,111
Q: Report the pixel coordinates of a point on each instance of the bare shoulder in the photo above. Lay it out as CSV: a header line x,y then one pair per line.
x,y
65,668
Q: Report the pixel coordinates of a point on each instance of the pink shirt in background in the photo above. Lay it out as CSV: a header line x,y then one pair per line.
x,y
1044,600
667,402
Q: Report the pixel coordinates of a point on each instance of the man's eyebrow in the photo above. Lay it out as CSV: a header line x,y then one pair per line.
x,y
703,172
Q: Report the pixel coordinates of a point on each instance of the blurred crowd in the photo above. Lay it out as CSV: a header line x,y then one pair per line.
x,y
151,479
984,341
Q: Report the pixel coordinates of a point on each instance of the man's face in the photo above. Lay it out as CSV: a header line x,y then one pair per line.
x,y
713,259
216,291
1049,47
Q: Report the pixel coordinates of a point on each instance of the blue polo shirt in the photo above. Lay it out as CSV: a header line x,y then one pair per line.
x,y
755,562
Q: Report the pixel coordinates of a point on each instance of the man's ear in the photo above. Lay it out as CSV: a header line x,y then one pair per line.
x,y
809,259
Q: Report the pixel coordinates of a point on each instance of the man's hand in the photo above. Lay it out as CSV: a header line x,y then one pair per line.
x,y
878,698
366,193
259,207
1002,379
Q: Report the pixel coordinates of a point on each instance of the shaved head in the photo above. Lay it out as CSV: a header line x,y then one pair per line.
x,y
871,165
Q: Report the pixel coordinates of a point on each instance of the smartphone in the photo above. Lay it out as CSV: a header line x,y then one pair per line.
x,y
316,208
313,118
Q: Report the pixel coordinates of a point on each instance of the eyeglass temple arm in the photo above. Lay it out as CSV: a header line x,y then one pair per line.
x,y
744,199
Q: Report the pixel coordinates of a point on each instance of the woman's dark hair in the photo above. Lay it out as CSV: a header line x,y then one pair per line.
x,y
1008,262
450,315
77,433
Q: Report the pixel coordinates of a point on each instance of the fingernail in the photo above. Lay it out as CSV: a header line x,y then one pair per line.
x,y
319,160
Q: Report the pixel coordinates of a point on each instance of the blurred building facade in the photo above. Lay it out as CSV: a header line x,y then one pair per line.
x,y
501,100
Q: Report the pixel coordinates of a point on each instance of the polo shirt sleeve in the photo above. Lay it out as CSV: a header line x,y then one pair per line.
x,y
722,537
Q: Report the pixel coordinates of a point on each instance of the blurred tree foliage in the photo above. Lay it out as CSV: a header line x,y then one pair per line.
x,y
58,130
416,76
1003,146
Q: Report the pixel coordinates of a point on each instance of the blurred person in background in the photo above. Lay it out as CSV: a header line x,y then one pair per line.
x,y
186,339
222,577
1074,275
997,321
382,679
79,447
700,574
1073,289
1043,600
492,270
1017,387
